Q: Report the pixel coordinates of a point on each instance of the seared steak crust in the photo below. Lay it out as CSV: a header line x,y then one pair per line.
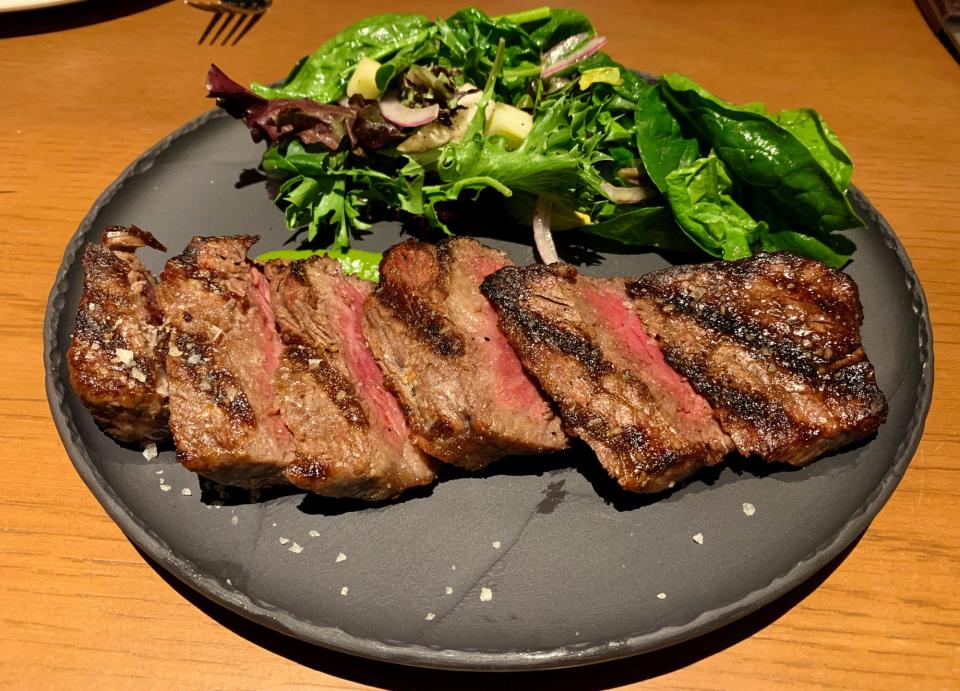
x,y
464,392
582,340
773,343
113,362
350,435
221,363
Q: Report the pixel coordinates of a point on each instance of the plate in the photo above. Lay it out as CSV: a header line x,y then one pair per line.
x,y
535,563
15,5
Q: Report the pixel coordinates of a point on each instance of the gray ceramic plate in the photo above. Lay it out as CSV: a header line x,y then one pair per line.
x,y
576,571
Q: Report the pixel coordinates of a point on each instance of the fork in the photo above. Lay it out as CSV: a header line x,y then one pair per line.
x,y
241,14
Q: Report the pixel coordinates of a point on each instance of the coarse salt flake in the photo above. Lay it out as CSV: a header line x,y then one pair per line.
x,y
698,538
150,452
486,594
661,596
125,356
234,519
295,548
430,616
496,544
283,540
341,557
344,590
448,590
186,492
313,533
166,488
160,472
174,351
138,374
749,509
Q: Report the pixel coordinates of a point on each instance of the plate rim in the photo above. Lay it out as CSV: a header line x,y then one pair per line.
x,y
285,622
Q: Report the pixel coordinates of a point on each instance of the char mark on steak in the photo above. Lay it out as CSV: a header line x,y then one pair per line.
x,y
463,389
773,343
582,339
350,435
221,363
112,360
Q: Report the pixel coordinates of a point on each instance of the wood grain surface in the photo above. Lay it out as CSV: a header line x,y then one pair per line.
x,y
88,87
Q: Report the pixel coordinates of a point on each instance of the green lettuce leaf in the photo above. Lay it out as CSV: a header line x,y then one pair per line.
x,y
359,263
807,126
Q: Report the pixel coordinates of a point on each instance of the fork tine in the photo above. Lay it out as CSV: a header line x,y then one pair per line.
x,y
213,20
240,22
226,22
253,20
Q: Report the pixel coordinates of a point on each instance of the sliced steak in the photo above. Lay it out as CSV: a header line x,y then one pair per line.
x,y
582,339
773,343
112,357
223,355
464,392
350,434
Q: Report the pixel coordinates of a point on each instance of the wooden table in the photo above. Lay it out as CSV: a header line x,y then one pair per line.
x,y
87,88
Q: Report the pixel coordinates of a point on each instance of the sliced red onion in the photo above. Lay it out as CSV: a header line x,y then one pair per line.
x,y
588,49
402,116
541,232
626,195
564,47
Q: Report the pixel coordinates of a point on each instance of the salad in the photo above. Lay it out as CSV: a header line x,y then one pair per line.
x,y
400,114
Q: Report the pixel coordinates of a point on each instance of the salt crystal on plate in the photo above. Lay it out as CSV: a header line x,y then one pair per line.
x,y
284,540
150,452
344,590
496,544
486,594
234,519
295,548
313,533
698,538
341,557
749,509
430,616
661,596
186,492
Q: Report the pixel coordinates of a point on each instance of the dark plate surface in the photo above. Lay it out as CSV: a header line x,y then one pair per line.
x,y
574,565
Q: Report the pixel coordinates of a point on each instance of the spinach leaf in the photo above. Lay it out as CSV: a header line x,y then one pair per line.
x,y
323,75
662,145
766,157
807,126
836,254
651,226
700,199
562,23
359,263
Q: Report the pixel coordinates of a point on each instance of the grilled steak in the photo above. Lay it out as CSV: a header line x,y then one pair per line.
x,y
112,362
222,360
773,343
350,435
462,387
582,339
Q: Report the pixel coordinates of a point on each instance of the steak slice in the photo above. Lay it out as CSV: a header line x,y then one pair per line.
x,y
112,357
773,343
223,355
582,339
464,392
350,435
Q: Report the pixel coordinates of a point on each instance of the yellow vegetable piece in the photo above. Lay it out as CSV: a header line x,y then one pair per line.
x,y
600,75
508,122
562,217
363,81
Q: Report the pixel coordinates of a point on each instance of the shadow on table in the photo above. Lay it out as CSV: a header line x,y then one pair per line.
x,y
599,676
63,17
